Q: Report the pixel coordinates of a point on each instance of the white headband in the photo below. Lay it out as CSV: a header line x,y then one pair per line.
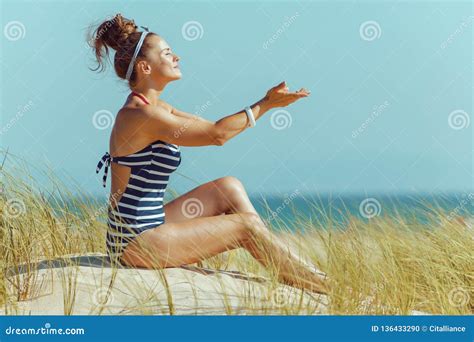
x,y
137,49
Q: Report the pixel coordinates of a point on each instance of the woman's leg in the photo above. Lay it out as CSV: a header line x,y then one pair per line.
x,y
173,244
223,195
269,250
180,243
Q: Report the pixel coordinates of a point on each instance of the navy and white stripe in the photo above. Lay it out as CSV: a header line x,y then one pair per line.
x,y
141,205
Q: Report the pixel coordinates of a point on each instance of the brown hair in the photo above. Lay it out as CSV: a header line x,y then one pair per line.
x,y
121,35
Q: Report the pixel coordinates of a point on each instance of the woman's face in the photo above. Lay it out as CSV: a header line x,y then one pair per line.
x,y
163,63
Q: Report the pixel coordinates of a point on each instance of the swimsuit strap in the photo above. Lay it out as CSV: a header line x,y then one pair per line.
x,y
140,96
106,159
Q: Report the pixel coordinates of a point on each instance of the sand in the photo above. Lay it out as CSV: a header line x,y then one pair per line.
x,y
88,285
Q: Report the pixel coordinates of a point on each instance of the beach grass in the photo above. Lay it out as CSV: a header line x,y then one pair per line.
x,y
383,265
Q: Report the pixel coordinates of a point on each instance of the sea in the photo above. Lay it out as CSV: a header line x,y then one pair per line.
x,y
284,211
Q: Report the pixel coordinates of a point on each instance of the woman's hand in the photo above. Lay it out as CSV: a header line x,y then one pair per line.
x,y
280,96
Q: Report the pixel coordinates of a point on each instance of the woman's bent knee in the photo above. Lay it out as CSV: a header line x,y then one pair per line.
x,y
232,196
229,182
230,187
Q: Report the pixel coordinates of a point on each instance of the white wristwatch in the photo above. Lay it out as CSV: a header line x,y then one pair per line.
x,y
251,117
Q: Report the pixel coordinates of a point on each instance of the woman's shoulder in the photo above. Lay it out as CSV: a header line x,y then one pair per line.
x,y
165,105
129,120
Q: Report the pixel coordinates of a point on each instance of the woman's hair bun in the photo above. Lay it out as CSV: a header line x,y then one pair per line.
x,y
115,32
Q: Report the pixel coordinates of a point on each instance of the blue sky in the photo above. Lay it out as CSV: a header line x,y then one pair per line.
x,y
391,82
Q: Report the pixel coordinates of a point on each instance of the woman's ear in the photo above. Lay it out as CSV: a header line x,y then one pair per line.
x,y
145,67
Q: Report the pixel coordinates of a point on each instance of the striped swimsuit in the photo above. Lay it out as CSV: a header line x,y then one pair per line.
x,y
141,205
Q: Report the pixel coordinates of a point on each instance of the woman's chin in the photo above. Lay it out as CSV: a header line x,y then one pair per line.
x,y
173,75
176,76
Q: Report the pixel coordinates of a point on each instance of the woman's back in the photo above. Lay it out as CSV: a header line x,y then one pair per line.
x,y
136,203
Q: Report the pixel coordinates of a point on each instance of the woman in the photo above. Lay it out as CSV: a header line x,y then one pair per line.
x,y
144,151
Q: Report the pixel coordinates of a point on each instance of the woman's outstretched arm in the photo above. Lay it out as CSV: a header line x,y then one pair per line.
x,y
278,96
186,129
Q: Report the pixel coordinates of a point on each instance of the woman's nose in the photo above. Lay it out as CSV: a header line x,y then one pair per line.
x,y
177,58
